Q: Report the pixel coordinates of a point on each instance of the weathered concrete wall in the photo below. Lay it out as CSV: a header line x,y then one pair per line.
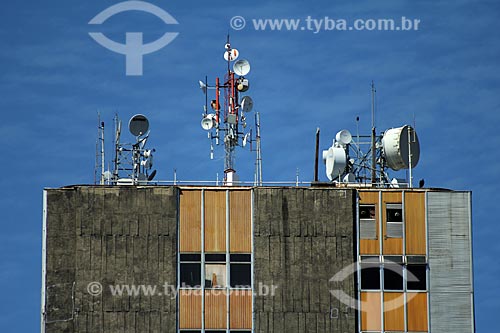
x,y
119,235
302,238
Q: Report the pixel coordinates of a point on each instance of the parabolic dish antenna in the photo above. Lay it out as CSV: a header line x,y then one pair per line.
x,y
241,67
208,122
246,104
397,150
231,55
344,137
138,125
336,161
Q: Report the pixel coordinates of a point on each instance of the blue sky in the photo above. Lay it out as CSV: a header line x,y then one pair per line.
x,y
55,78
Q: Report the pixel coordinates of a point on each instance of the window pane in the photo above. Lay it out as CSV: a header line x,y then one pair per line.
x,y
190,257
240,258
393,277
215,257
190,275
215,276
417,277
394,213
370,276
241,275
367,212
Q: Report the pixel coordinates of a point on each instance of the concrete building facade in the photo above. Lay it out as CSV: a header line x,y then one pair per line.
x,y
256,259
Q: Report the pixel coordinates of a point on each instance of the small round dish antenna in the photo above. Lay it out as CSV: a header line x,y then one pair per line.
x,y
208,122
241,67
246,104
344,137
138,125
231,55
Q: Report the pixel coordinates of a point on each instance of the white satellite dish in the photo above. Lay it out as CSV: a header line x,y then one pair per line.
x,y
241,67
246,104
208,122
336,161
397,150
231,55
138,125
344,137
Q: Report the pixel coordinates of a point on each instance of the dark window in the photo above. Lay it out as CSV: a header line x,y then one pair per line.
x,y
370,276
241,258
415,259
190,257
367,211
215,257
241,275
190,275
393,276
394,213
416,276
394,221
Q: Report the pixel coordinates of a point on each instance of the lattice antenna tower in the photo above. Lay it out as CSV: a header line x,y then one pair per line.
x,y
226,122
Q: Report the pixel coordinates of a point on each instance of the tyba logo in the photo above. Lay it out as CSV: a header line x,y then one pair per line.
x,y
133,49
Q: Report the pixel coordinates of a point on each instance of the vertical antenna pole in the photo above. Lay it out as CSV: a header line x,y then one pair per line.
x,y
206,95
102,152
217,101
258,169
409,157
374,153
117,149
316,156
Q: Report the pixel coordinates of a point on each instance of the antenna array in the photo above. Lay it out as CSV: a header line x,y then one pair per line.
x,y
227,121
132,162
368,159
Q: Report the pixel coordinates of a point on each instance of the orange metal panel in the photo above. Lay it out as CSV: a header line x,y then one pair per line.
x,y
240,302
215,309
416,243
390,245
394,312
417,312
240,222
370,315
215,221
190,221
190,309
370,246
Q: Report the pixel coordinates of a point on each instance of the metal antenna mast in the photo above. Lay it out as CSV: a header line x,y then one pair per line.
x,y
99,161
374,134
258,162
232,120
